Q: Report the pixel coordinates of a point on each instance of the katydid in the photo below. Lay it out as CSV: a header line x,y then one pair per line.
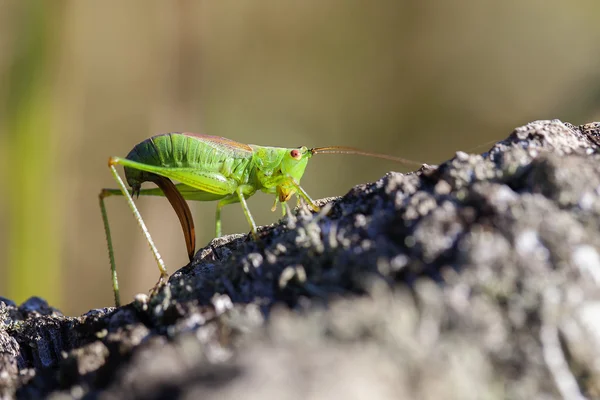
x,y
209,168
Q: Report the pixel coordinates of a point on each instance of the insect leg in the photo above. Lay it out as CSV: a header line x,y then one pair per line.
x,y
223,202
275,204
241,191
286,210
111,255
140,221
175,193
304,195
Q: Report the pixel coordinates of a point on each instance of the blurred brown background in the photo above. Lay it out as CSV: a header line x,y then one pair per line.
x,y
421,79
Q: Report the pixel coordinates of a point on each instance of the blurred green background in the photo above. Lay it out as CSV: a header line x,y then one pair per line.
x,y
81,81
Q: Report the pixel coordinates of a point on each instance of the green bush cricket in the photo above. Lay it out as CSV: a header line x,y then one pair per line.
x,y
209,168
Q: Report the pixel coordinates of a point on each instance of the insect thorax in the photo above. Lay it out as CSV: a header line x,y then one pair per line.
x,y
275,169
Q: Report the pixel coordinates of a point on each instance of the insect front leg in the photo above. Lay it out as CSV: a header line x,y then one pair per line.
x,y
284,206
275,204
286,210
304,195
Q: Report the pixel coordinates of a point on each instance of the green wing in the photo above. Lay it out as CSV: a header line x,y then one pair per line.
x,y
223,144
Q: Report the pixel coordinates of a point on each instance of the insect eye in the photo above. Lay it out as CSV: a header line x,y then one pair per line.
x,y
296,154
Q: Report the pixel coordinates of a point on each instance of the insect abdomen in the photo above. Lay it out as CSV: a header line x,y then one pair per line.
x,y
180,150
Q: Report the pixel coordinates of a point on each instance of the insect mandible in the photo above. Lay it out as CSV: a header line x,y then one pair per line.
x,y
209,168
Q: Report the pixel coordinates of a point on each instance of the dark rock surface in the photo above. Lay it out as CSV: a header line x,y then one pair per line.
x,y
475,279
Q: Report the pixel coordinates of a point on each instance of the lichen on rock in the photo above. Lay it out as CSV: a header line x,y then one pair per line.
x,y
477,278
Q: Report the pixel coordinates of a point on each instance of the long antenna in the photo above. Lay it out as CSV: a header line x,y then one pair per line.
x,y
353,150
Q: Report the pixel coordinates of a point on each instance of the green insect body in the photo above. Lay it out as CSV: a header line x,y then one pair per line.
x,y
215,167
209,168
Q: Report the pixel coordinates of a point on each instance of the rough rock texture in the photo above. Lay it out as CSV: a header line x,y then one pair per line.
x,y
475,279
